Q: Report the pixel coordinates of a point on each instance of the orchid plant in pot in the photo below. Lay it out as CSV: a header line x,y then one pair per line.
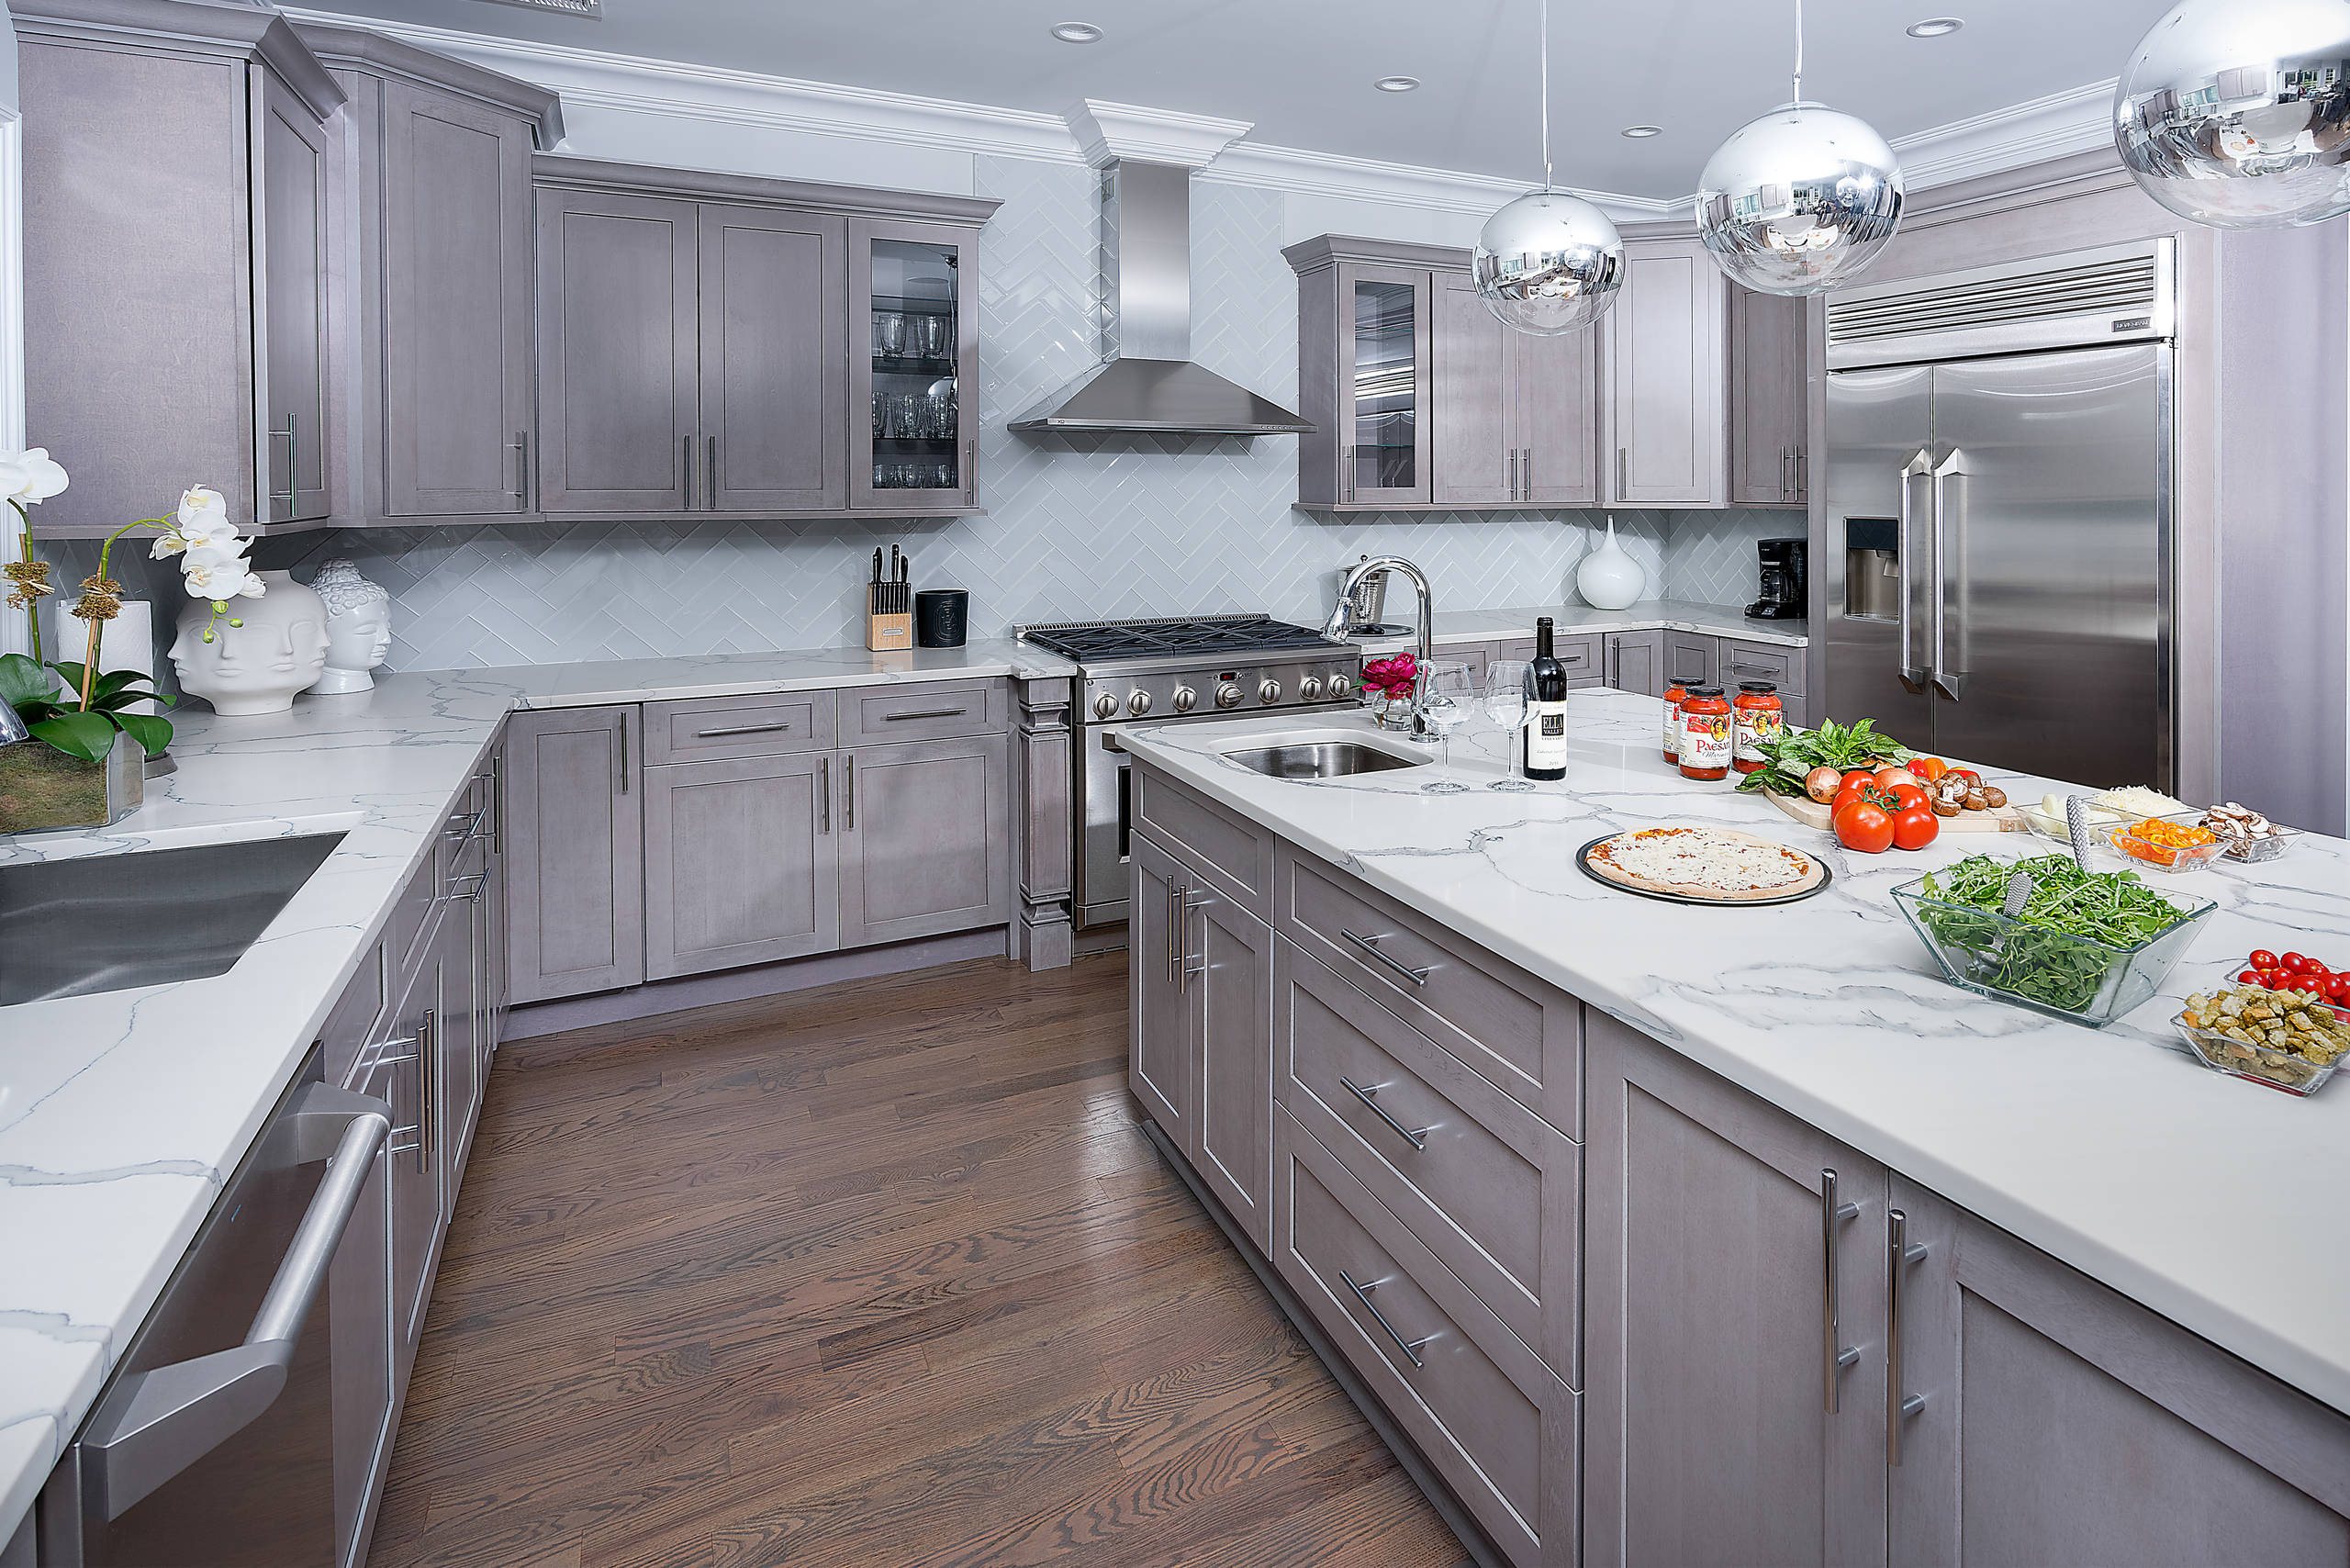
x,y
81,763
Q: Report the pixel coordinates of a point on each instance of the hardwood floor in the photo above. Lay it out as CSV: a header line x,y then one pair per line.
x,y
883,1274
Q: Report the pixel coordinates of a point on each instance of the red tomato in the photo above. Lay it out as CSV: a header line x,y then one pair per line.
x,y
1863,825
2294,963
1914,826
1909,795
1856,776
2262,959
2249,977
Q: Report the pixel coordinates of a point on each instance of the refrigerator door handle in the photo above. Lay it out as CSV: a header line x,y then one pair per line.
x,y
1915,671
1950,677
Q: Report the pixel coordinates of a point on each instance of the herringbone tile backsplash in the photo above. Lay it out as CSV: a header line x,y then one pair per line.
x,y
1076,526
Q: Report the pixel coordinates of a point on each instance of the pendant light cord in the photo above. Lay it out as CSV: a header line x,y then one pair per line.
x,y
1546,93
1798,51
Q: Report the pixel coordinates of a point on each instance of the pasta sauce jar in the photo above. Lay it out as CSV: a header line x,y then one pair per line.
x,y
1705,733
1757,717
1673,693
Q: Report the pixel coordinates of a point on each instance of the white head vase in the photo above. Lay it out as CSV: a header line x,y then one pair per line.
x,y
262,650
359,627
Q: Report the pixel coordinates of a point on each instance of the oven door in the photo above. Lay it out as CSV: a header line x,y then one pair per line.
x,y
1106,799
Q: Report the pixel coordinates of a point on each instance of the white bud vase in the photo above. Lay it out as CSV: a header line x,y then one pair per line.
x,y
1608,578
258,666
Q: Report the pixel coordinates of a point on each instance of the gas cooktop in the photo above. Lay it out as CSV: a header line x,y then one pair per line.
x,y
1175,637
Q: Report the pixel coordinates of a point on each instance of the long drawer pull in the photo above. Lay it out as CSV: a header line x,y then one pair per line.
x,y
1417,1138
1900,1255
740,729
1362,1294
925,714
1834,1354
1370,945
824,792
1762,669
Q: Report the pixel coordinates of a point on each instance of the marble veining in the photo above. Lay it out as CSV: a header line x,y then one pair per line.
x,y
122,1114
2113,1149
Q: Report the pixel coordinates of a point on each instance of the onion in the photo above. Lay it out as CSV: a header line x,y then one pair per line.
x,y
1821,784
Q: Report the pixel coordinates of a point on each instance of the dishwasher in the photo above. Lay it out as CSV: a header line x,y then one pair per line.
x,y
213,1442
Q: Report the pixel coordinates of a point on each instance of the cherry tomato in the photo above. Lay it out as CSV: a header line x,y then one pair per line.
x,y
1915,826
1863,825
2294,963
2249,977
2262,959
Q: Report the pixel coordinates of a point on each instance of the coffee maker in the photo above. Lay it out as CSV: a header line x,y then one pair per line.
x,y
1783,581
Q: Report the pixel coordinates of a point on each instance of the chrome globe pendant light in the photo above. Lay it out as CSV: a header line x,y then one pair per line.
x,y
1548,263
2235,114
1800,200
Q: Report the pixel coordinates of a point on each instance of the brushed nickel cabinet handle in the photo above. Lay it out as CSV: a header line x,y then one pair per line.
x,y
427,1131
710,477
623,754
1525,476
689,473
971,472
1834,1354
924,713
1362,1294
1417,1136
739,730
849,806
496,803
1623,460
521,447
1370,945
1901,1254
292,467
1512,472
824,793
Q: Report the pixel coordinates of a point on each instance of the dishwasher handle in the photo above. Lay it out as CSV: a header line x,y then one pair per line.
x,y
156,1424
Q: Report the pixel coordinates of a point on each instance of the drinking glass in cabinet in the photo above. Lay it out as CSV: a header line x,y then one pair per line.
x,y
889,332
1385,390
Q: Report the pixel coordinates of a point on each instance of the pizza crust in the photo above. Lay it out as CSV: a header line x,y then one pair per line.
x,y
1812,875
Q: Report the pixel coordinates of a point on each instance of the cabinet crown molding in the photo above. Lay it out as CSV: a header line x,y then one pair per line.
x,y
564,172
377,54
200,27
1107,132
1330,250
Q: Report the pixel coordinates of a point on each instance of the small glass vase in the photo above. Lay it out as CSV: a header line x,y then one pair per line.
x,y
41,788
1392,712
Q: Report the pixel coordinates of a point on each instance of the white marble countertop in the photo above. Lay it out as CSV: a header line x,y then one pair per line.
x,y
2113,1149
121,1114
1574,619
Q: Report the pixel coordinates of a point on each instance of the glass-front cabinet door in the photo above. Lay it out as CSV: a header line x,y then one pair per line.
x,y
1384,342
914,357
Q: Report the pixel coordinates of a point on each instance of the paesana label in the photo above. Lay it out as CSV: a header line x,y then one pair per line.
x,y
1705,739
1756,725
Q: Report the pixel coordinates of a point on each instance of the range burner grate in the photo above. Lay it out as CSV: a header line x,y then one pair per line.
x,y
1105,640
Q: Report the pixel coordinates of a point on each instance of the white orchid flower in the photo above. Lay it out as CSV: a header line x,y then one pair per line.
x,y
30,475
217,572
204,514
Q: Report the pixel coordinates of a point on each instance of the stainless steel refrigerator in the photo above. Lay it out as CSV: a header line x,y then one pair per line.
x,y
1996,569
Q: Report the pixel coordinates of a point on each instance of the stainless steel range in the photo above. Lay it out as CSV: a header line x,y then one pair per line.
x,y
1173,670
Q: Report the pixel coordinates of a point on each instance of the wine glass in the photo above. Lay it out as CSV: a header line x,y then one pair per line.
x,y
1505,705
1447,700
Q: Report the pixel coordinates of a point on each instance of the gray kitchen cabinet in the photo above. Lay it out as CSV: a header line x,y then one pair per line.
x,y
1692,658
925,839
1365,339
404,1066
2060,1422
911,448
1583,656
619,352
1554,417
1664,436
1635,662
741,864
574,843
774,380
1726,1280
1511,414
459,1039
1226,996
1769,443
1159,1056
208,124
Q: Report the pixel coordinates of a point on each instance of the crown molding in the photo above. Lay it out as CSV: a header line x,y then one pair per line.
x,y
2079,119
1107,132
1305,172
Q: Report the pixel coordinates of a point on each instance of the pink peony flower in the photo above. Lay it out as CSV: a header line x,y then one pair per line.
x,y
1394,676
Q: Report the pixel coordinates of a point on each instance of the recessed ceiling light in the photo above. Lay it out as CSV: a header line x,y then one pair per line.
x,y
1642,132
1934,26
1396,83
1077,32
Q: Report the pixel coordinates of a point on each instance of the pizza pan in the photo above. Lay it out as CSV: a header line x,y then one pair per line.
x,y
1583,859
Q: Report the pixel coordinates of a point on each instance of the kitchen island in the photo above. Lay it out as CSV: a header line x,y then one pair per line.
x,y
1808,1038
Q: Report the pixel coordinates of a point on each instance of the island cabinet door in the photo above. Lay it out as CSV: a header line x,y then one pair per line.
x,y
2042,1418
1735,1355
1160,1066
1225,981
740,862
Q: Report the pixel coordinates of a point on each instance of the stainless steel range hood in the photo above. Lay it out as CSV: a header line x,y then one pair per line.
x,y
1147,380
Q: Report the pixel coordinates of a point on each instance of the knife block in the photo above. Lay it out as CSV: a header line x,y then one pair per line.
x,y
886,629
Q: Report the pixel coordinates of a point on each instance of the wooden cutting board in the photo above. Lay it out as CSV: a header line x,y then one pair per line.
x,y
1812,814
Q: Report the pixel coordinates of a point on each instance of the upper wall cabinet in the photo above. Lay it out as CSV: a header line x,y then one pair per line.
x,y
177,244
718,344
434,181
1513,416
1664,433
1770,455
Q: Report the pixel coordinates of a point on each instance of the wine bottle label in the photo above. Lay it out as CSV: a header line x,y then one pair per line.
x,y
1705,739
1545,736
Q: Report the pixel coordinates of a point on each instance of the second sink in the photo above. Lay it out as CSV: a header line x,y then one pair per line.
x,y
1321,760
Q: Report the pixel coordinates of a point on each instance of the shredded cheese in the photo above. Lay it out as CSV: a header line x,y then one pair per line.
x,y
1693,857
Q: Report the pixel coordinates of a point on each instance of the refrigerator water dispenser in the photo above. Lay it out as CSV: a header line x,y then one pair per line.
x,y
1872,567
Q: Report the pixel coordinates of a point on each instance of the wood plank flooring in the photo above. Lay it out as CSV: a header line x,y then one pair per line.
x,y
875,1276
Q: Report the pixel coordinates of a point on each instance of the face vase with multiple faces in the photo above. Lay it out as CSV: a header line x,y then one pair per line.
x,y
255,667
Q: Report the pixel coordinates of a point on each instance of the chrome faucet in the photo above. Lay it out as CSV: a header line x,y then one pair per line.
x,y
1342,621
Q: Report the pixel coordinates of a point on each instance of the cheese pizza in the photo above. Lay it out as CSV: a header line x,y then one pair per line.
x,y
1717,864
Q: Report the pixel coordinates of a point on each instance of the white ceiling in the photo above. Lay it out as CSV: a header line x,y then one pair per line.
x,y
1301,70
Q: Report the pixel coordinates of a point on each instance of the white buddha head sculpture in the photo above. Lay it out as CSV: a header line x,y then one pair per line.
x,y
262,650
359,626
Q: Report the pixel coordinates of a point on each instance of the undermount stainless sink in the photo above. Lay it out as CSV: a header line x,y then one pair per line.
x,y
116,921
1321,760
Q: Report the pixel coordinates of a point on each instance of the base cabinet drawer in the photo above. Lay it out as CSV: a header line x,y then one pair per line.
x,y
1493,1421
928,711
1232,856
701,729
1773,662
1485,1185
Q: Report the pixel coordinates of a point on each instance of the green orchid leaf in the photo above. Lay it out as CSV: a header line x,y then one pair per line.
x,y
86,735
114,683
34,713
70,669
149,731
23,680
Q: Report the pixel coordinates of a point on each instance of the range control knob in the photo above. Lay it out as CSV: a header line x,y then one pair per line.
x,y
1310,688
1227,696
1340,686
1104,706
1185,699
1138,703
1269,692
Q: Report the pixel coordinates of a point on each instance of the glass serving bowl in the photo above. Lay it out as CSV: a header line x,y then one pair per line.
x,y
2144,854
2068,976
2252,851
2259,1064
